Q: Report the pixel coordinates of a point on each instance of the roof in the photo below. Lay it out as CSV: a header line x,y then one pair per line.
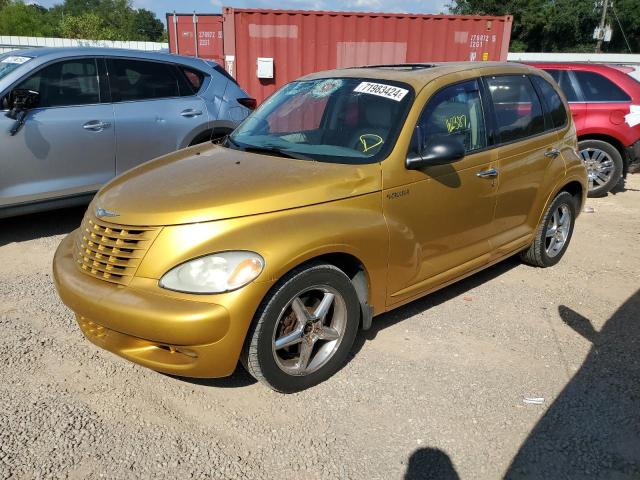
x,y
418,75
63,52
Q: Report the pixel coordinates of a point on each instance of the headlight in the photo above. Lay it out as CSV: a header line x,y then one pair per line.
x,y
216,273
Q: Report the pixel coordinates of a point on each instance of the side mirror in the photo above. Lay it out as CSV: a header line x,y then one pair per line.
x,y
21,100
439,151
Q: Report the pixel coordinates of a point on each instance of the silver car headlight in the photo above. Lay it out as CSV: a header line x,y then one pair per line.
x,y
216,273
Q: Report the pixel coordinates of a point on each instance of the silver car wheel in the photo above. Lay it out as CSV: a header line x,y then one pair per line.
x,y
558,230
600,166
309,330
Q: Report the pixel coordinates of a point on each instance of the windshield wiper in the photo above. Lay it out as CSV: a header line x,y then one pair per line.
x,y
272,150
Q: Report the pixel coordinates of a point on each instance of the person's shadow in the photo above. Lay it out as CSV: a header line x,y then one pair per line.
x,y
592,430
430,464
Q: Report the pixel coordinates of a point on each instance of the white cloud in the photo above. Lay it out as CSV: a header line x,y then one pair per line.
x,y
365,3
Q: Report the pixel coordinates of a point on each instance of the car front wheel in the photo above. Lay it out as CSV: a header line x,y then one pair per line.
x,y
304,329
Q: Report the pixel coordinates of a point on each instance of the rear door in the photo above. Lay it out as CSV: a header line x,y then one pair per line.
x,y
606,102
528,154
156,110
66,146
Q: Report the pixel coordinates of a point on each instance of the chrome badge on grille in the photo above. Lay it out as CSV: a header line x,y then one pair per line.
x,y
101,213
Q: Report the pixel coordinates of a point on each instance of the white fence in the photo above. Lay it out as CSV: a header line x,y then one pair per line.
x,y
8,43
617,58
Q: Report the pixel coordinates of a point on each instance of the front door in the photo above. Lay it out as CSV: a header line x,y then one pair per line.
x,y
66,146
156,111
440,222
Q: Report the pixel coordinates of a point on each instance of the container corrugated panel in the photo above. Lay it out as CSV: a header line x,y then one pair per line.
x,y
198,35
302,42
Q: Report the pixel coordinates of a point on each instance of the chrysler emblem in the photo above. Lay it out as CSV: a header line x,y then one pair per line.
x,y
101,212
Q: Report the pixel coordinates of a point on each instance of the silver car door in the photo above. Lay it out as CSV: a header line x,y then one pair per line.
x,y
66,145
152,118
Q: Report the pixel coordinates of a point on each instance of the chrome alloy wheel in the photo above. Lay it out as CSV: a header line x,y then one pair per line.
x,y
309,330
600,166
558,230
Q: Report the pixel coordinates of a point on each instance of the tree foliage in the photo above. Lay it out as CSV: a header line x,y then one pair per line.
x,y
90,19
561,25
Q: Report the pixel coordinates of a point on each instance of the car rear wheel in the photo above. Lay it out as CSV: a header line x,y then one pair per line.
x,y
604,165
554,233
304,329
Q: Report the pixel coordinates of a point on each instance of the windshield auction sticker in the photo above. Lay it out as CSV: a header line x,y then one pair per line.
x,y
15,59
382,90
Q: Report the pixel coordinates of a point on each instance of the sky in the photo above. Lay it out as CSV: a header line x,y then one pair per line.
x,y
160,7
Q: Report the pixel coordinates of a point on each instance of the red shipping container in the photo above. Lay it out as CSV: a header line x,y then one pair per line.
x,y
292,43
199,35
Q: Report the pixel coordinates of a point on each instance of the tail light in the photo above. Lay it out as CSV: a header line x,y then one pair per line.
x,y
250,103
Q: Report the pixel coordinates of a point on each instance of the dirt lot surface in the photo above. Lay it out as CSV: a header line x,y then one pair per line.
x,y
436,390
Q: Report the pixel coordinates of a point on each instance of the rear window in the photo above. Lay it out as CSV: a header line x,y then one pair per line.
x,y
598,88
563,79
517,108
552,101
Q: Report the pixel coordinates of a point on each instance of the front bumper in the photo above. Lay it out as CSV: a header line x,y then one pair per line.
x,y
155,328
633,153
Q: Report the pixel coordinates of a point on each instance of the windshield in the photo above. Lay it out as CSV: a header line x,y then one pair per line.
x,y
8,63
339,120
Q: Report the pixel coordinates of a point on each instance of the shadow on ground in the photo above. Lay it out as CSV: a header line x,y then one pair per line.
x,y
430,464
592,430
42,224
416,307
239,378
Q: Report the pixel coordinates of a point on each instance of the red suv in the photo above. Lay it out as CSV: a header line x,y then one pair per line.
x,y
600,97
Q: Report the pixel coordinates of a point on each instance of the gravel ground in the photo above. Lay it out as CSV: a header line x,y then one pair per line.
x,y
435,390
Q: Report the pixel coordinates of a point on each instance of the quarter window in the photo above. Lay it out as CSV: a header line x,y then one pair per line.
x,y
455,112
142,80
598,88
563,79
553,102
72,82
517,108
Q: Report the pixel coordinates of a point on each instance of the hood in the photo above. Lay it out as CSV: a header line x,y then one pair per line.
x,y
209,182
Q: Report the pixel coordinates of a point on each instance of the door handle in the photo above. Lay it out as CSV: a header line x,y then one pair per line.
x,y
553,153
96,125
190,112
491,173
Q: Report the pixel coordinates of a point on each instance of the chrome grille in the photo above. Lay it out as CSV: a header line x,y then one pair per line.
x,y
111,252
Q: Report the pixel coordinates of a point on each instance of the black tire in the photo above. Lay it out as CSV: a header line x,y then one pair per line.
x,y
537,254
596,190
259,354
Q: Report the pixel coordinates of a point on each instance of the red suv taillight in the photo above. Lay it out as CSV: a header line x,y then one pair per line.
x,y
250,103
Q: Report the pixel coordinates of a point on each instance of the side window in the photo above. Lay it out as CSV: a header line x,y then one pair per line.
x,y
194,77
598,88
517,107
552,101
563,79
142,80
456,112
71,82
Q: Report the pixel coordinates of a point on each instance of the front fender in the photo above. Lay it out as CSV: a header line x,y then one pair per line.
x,y
285,239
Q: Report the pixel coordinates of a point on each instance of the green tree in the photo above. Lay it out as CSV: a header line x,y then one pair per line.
x,y
91,19
87,25
146,26
19,19
561,25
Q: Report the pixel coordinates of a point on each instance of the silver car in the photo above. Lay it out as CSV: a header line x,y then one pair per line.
x,y
73,118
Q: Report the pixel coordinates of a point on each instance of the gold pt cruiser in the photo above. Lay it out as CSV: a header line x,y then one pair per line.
x,y
346,194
